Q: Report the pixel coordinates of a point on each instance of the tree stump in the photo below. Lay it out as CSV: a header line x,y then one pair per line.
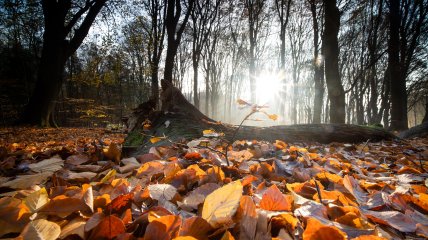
x,y
179,119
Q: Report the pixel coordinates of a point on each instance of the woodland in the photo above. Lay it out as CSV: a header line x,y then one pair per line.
x,y
214,119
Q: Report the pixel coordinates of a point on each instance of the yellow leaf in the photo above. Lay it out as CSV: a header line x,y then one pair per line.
x,y
273,116
221,205
113,152
155,139
109,176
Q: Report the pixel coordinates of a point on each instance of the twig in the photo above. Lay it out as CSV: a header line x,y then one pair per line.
x,y
318,191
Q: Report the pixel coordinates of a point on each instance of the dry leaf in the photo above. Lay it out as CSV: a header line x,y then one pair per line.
x,y
394,219
220,206
163,228
41,229
74,227
248,218
162,192
196,227
274,200
48,165
108,228
316,231
227,236
36,199
27,181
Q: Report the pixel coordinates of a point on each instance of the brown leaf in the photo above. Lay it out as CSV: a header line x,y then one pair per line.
x,y
274,200
63,206
108,228
394,219
247,216
41,229
196,227
163,228
74,227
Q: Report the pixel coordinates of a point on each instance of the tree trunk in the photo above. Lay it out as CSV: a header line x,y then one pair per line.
x,y
398,79
187,122
330,46
48,85
318,65
195,80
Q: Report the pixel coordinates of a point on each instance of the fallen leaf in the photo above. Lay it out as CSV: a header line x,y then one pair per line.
x,y
74,227
316,231
247,216
394,219
63,206
196,227
27,181
162,192
41,229
274,200
109,227
36,199
221,205
227,236
163,228
119,204
48,165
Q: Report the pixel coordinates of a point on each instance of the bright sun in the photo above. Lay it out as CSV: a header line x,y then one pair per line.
x,y
269,85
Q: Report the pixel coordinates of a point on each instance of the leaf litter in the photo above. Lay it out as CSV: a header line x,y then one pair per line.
x,y
74,184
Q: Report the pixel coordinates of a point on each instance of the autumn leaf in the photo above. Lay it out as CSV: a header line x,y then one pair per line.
x,y
369,237
227,236
41,229
274,200
242,102
48,165
74,227
247,217
394,219
195,227
155,139
162,192
63,206
163,228
119,204
221,205
316,231
109,227
36,199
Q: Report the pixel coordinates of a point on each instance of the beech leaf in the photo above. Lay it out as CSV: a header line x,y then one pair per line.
x,y
221,205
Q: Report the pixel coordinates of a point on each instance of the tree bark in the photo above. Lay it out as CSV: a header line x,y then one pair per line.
x,y
56,50
330,46
318,65
398,80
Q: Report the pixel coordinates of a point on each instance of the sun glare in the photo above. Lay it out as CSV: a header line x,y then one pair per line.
x,y
269,85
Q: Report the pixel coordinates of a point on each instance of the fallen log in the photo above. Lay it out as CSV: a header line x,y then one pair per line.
x,y
179,119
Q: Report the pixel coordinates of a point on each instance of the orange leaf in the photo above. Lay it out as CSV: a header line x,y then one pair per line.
x,y
242,102
108,228
193,156
149,169
330,177
274,200
285,220
119,204
280,144
196,227
227,236
163,228
317,231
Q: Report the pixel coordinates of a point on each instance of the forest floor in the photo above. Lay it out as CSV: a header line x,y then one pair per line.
x,y
72,183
